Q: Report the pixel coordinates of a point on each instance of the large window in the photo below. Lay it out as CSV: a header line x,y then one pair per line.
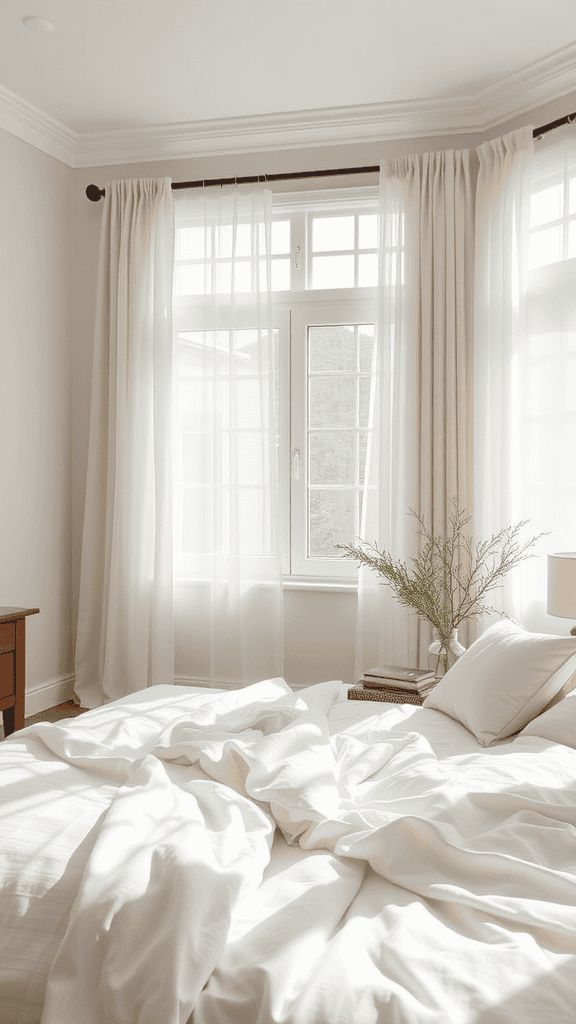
x,y
324,269
548,362
542,415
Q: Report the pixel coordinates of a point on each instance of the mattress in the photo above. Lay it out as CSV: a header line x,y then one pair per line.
x,y
384,868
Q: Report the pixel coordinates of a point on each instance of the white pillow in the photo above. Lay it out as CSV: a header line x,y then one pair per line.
x,y
504,680
558,724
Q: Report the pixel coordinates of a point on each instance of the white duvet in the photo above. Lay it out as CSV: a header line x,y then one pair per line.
x,y
260,857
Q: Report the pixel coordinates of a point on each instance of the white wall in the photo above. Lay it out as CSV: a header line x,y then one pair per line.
x,y
319,626
35,411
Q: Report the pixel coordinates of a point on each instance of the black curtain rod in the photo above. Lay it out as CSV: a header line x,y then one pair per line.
x,y
94,193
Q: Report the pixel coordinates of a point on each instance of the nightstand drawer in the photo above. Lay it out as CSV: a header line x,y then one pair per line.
x,y
6,674
7,636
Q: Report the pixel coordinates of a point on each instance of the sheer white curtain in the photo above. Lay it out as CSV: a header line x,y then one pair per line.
x,y
229,583
525,354
421,455
125,638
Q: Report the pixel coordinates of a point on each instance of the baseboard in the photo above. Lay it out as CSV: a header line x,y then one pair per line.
x,y
49,695
59,690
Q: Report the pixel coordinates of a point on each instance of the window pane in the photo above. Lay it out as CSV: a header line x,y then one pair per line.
x,y
280,237
366,339
191,244
331,348
333,271
394,230
367,270
223,277
368,231
243,240
190,279
572,196
332,233
248,459
280,276
251,538
332,522
332,402
546,247
362,453
195,533
571,239
240,239
194,458
364,403
546,205
242,277
332,458
391,261
223,241
248,399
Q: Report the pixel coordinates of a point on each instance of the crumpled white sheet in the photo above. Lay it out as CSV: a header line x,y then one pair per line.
x,y
173,863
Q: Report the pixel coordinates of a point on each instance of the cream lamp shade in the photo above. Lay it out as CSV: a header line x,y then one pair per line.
x,y
562,586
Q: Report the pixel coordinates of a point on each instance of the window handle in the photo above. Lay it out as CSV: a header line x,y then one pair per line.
x,y
296,464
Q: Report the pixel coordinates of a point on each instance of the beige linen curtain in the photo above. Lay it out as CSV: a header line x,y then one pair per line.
x,y
125,639
421,458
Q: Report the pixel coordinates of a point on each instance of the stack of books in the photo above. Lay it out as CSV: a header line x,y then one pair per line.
x,y
394,684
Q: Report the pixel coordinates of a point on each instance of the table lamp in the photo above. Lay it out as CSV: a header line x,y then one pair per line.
x,y
562,586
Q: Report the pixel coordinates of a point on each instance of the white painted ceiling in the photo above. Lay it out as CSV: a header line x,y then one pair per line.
x,y
132,64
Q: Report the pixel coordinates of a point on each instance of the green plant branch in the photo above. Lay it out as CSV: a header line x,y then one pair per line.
x,y
450,578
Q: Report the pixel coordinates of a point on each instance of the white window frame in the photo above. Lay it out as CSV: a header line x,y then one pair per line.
x,y
303,306
332,311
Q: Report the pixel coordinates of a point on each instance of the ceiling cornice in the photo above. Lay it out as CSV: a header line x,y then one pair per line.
x,y
547,80
27,122
543,82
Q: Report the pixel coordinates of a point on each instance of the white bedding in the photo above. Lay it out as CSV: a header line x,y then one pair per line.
x,y
415,877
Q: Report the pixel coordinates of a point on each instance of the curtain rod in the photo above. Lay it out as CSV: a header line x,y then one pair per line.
x,y
95,194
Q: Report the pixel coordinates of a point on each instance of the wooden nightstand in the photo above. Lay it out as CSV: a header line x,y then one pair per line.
x,y
13,666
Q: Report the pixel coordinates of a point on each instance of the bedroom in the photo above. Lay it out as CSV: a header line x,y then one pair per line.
x,y
53,144
46,382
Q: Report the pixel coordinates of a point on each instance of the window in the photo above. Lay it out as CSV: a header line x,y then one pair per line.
x,y
324,273
226,453
543,371
332,372
553,220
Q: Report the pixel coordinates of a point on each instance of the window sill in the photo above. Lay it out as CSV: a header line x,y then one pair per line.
x,y
338,586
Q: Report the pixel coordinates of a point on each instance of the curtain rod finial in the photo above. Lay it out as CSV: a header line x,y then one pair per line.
x,y
94,193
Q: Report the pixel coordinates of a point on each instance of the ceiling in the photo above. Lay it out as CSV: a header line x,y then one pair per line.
x,y
197,69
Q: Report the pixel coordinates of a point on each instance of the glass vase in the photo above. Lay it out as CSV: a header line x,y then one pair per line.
x,y
442,656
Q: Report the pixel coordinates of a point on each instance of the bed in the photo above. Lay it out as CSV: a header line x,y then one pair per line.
x,y
262,855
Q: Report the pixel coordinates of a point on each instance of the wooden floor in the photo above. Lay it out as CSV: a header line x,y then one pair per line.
x,y
66,710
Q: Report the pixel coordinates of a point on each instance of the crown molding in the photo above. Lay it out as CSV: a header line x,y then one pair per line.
x,y
550,79
299,129
35,126
517,94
